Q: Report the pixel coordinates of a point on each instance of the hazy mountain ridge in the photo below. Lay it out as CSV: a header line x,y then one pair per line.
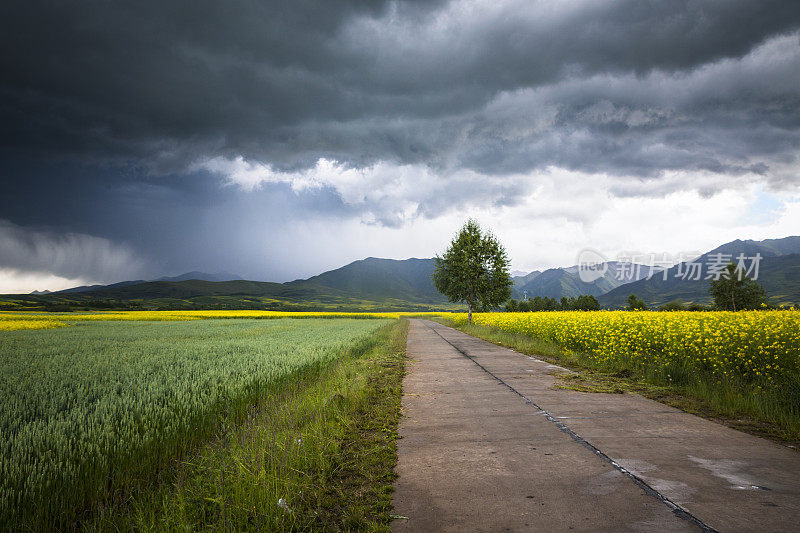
x,y
196,275
368,283
375,283
90,288
560,282
779,273
202,276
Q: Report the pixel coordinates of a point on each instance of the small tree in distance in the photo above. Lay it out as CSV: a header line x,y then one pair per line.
x,y
474,270
734,291
635,303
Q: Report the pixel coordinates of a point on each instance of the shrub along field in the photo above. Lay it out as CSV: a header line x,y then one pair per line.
x,y
743,362
92,411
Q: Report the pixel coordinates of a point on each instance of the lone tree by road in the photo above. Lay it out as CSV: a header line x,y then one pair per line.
x,y
474,270
734,291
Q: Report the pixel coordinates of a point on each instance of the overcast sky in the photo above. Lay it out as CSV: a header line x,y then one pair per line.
x,y
278,139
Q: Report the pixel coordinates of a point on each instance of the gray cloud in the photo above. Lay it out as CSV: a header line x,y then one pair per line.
x,y
289,82
112,111
731,117
68,255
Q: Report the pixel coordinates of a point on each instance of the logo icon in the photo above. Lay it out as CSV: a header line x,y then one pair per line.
x,y
592,265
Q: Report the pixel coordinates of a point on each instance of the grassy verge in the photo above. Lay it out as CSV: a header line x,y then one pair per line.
x,y
319,454
731,405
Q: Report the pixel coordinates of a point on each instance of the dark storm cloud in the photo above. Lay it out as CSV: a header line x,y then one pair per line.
x,y
164,84
74,219
169,80
119,119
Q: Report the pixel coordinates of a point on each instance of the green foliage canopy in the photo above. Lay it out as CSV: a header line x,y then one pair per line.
x,y
635,303
734,291
584,302
474,270
674,305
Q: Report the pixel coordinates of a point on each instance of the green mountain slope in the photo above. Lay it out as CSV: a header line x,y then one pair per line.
x,y
521,281
374,278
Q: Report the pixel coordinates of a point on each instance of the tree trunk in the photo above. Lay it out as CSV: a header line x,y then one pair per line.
x,y
469,317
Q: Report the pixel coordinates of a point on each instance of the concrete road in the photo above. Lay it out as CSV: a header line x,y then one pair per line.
x,y
488,445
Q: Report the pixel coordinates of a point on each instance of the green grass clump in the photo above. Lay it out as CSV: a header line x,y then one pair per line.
x,y
94,412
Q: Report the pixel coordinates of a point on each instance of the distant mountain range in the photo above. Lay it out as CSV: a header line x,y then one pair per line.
x,y
370,283
778,272
202,276
389,284
558,282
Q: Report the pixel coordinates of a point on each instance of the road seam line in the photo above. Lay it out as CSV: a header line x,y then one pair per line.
x,y
676,509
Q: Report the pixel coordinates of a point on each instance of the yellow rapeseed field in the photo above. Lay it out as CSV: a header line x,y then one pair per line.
x,y
17,320
8,324
760,347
